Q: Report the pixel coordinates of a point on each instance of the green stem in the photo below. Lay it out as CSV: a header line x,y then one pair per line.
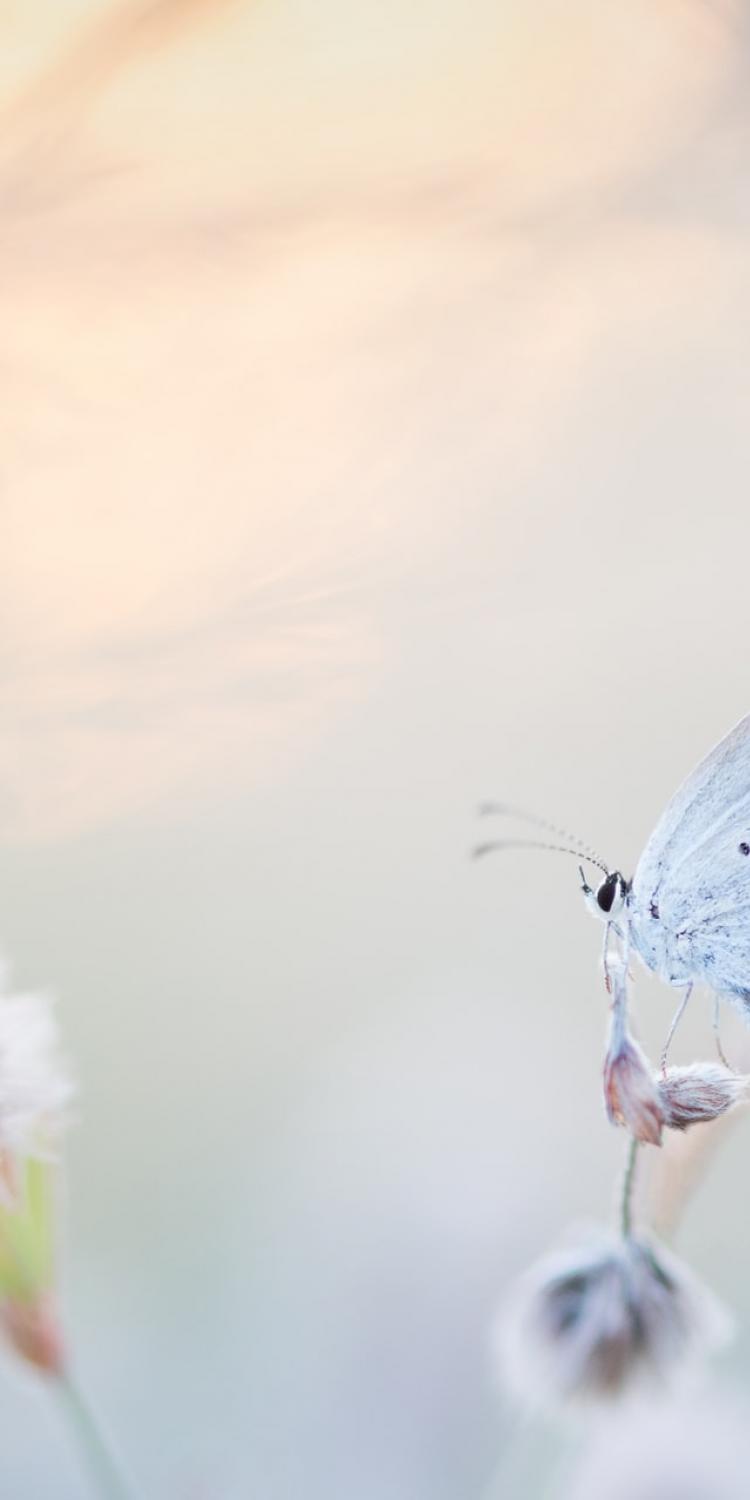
x,y
103,1465
628,1181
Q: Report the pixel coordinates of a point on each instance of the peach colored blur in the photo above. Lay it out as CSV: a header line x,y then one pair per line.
x,y
227,230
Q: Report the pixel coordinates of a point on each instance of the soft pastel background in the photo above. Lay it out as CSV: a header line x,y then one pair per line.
x,y
375,431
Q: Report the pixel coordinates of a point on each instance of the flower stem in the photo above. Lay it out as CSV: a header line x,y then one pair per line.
x,y
103,1465
628,1181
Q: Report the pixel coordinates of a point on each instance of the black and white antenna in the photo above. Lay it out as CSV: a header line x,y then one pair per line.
x,y
573,845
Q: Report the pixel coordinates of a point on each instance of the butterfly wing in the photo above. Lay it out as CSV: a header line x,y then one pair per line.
x,y
690,901
720,954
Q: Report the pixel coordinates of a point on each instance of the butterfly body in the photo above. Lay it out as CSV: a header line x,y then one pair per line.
x,y
687,909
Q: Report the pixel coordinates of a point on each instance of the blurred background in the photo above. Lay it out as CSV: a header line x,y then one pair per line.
x,y
374,440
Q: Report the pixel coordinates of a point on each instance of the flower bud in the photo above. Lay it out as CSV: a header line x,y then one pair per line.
x,y
700,1092
33,1329
631,1094
27,1267
35,1090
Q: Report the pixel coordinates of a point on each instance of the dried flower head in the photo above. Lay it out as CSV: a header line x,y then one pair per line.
x,y
602,1319
631,1092
697,1093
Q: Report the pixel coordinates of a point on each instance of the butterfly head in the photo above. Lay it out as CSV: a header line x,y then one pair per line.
x,y
607,899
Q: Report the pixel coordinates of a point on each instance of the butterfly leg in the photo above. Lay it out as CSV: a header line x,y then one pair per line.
x,y
605,958
719,1047
677,1017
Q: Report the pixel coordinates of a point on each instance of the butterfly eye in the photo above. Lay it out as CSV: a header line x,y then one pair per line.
x,y
606,893
612,894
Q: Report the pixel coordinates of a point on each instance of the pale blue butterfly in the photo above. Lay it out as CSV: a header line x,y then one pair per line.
x,y
686,911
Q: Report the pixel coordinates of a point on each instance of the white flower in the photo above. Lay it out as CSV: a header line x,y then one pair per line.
x,y
35,1087
604,1318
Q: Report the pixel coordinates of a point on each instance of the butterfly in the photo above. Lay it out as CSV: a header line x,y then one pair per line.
x,y
686,911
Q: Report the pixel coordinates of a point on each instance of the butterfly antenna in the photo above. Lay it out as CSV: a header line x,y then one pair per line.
x,y
507,810
495,844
